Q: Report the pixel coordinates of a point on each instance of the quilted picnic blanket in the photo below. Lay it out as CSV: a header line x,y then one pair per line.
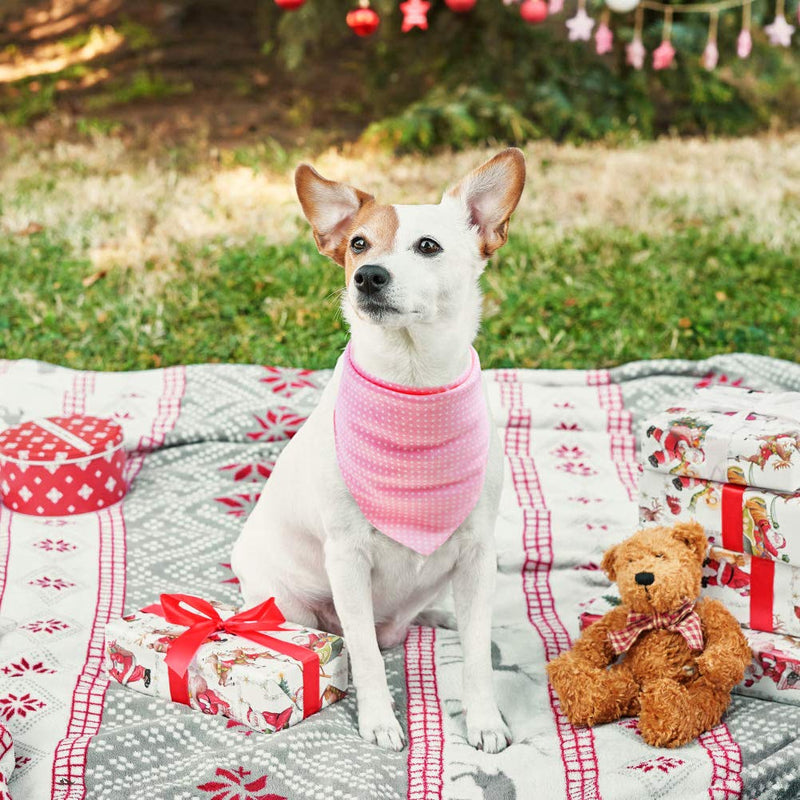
x,y
202,439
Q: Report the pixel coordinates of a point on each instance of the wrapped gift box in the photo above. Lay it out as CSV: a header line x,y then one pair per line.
x,y
266,686
762,594
62,465
740,518
729,436
774,673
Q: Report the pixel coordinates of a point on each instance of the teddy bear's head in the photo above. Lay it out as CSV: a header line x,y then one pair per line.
x,y
656,569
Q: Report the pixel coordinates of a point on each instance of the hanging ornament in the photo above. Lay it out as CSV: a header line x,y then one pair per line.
x,y
710,55
289,5
635,52
779,32
555,6
533,11
415,15
603,37
665,52
580,26
363,21
622,6
460,6
744,42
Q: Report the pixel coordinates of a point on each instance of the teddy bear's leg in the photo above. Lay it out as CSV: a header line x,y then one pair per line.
x,y
673,714
590,695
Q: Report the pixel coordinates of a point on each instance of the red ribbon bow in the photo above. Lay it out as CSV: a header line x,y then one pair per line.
x,y
684,620
202,619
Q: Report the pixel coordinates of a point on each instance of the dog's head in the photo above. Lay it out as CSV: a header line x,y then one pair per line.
x,y
409,264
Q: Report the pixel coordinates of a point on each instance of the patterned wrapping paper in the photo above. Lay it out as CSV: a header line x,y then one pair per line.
x,y
229,674
740,518
746,448
774,673
762,594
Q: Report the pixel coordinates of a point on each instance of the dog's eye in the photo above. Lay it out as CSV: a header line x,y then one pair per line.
x,y
358,244
659,555
427,246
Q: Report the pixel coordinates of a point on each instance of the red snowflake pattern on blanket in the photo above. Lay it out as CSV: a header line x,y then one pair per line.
x,y
234,785
662,763
256,472
12,705
19,668
276,425
285,382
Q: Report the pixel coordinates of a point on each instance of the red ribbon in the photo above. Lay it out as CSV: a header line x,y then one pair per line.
x,y
202,619
762,593
732,520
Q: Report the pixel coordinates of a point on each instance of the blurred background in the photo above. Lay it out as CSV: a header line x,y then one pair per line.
x,y
147,214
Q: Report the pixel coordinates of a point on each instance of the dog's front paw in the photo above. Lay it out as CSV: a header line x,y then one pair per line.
x,y
486,731
380,727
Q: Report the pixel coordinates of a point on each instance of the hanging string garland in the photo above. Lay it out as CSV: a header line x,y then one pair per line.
x,y
364,21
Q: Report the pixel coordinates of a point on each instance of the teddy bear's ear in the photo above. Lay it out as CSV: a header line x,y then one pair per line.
x,y
608,564
692,535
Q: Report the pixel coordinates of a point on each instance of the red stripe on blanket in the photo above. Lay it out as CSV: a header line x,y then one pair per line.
x,y
726,764
619,427
87,699
577,744
86,713
722,749
425,733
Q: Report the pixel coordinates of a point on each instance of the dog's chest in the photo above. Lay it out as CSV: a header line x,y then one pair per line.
x,y
404,579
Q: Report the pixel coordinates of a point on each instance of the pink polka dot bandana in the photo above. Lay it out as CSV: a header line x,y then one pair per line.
x,y
414,459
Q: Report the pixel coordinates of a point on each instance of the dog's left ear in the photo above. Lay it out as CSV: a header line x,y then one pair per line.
x,y
491,193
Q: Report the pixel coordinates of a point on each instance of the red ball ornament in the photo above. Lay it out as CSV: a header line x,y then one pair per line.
x,y
363,21
533,11
460,6
289,5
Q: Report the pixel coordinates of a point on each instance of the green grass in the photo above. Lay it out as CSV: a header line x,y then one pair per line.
x,y
589,299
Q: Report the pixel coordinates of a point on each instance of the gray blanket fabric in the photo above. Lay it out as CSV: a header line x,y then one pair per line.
x,y
202,440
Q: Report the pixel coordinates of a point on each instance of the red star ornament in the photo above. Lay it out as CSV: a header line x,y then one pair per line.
x,y
414,15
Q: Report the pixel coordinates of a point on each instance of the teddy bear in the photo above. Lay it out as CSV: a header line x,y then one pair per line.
x,y
663,654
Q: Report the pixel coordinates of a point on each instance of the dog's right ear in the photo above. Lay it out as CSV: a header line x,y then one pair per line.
x,y
330,208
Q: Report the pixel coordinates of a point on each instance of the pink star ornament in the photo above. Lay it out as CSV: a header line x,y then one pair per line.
x,y
580,26
555,7
663,55
779,32
415,15
635,53
603,39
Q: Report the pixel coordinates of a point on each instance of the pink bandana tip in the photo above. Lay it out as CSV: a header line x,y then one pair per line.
x,y
414,459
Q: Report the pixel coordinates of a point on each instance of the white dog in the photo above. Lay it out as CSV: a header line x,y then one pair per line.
x,y
413,303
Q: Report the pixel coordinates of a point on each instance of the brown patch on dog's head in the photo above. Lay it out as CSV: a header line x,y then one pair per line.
x,y
330,207
491,193
668,561
377,225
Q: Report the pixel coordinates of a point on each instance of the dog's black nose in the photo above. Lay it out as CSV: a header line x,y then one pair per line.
x,y
371,278
645,578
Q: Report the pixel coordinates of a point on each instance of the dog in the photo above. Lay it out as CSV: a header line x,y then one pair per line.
x,y
413,303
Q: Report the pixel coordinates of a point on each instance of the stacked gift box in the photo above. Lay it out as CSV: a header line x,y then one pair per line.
x,y
730,460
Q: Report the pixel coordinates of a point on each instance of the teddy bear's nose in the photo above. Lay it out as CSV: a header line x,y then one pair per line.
x,y
645,578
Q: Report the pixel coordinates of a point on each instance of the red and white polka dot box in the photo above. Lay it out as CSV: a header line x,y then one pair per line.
x,y
56,466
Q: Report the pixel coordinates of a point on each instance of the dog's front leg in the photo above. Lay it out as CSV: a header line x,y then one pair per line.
x,y
473,590
351,584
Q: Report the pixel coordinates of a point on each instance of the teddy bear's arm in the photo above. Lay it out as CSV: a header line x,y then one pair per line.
x,y
593,646
726,653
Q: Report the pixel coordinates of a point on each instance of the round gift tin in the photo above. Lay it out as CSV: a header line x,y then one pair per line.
x,y
56,466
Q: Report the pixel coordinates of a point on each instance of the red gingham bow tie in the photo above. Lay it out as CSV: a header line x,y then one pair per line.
x,y
683,620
